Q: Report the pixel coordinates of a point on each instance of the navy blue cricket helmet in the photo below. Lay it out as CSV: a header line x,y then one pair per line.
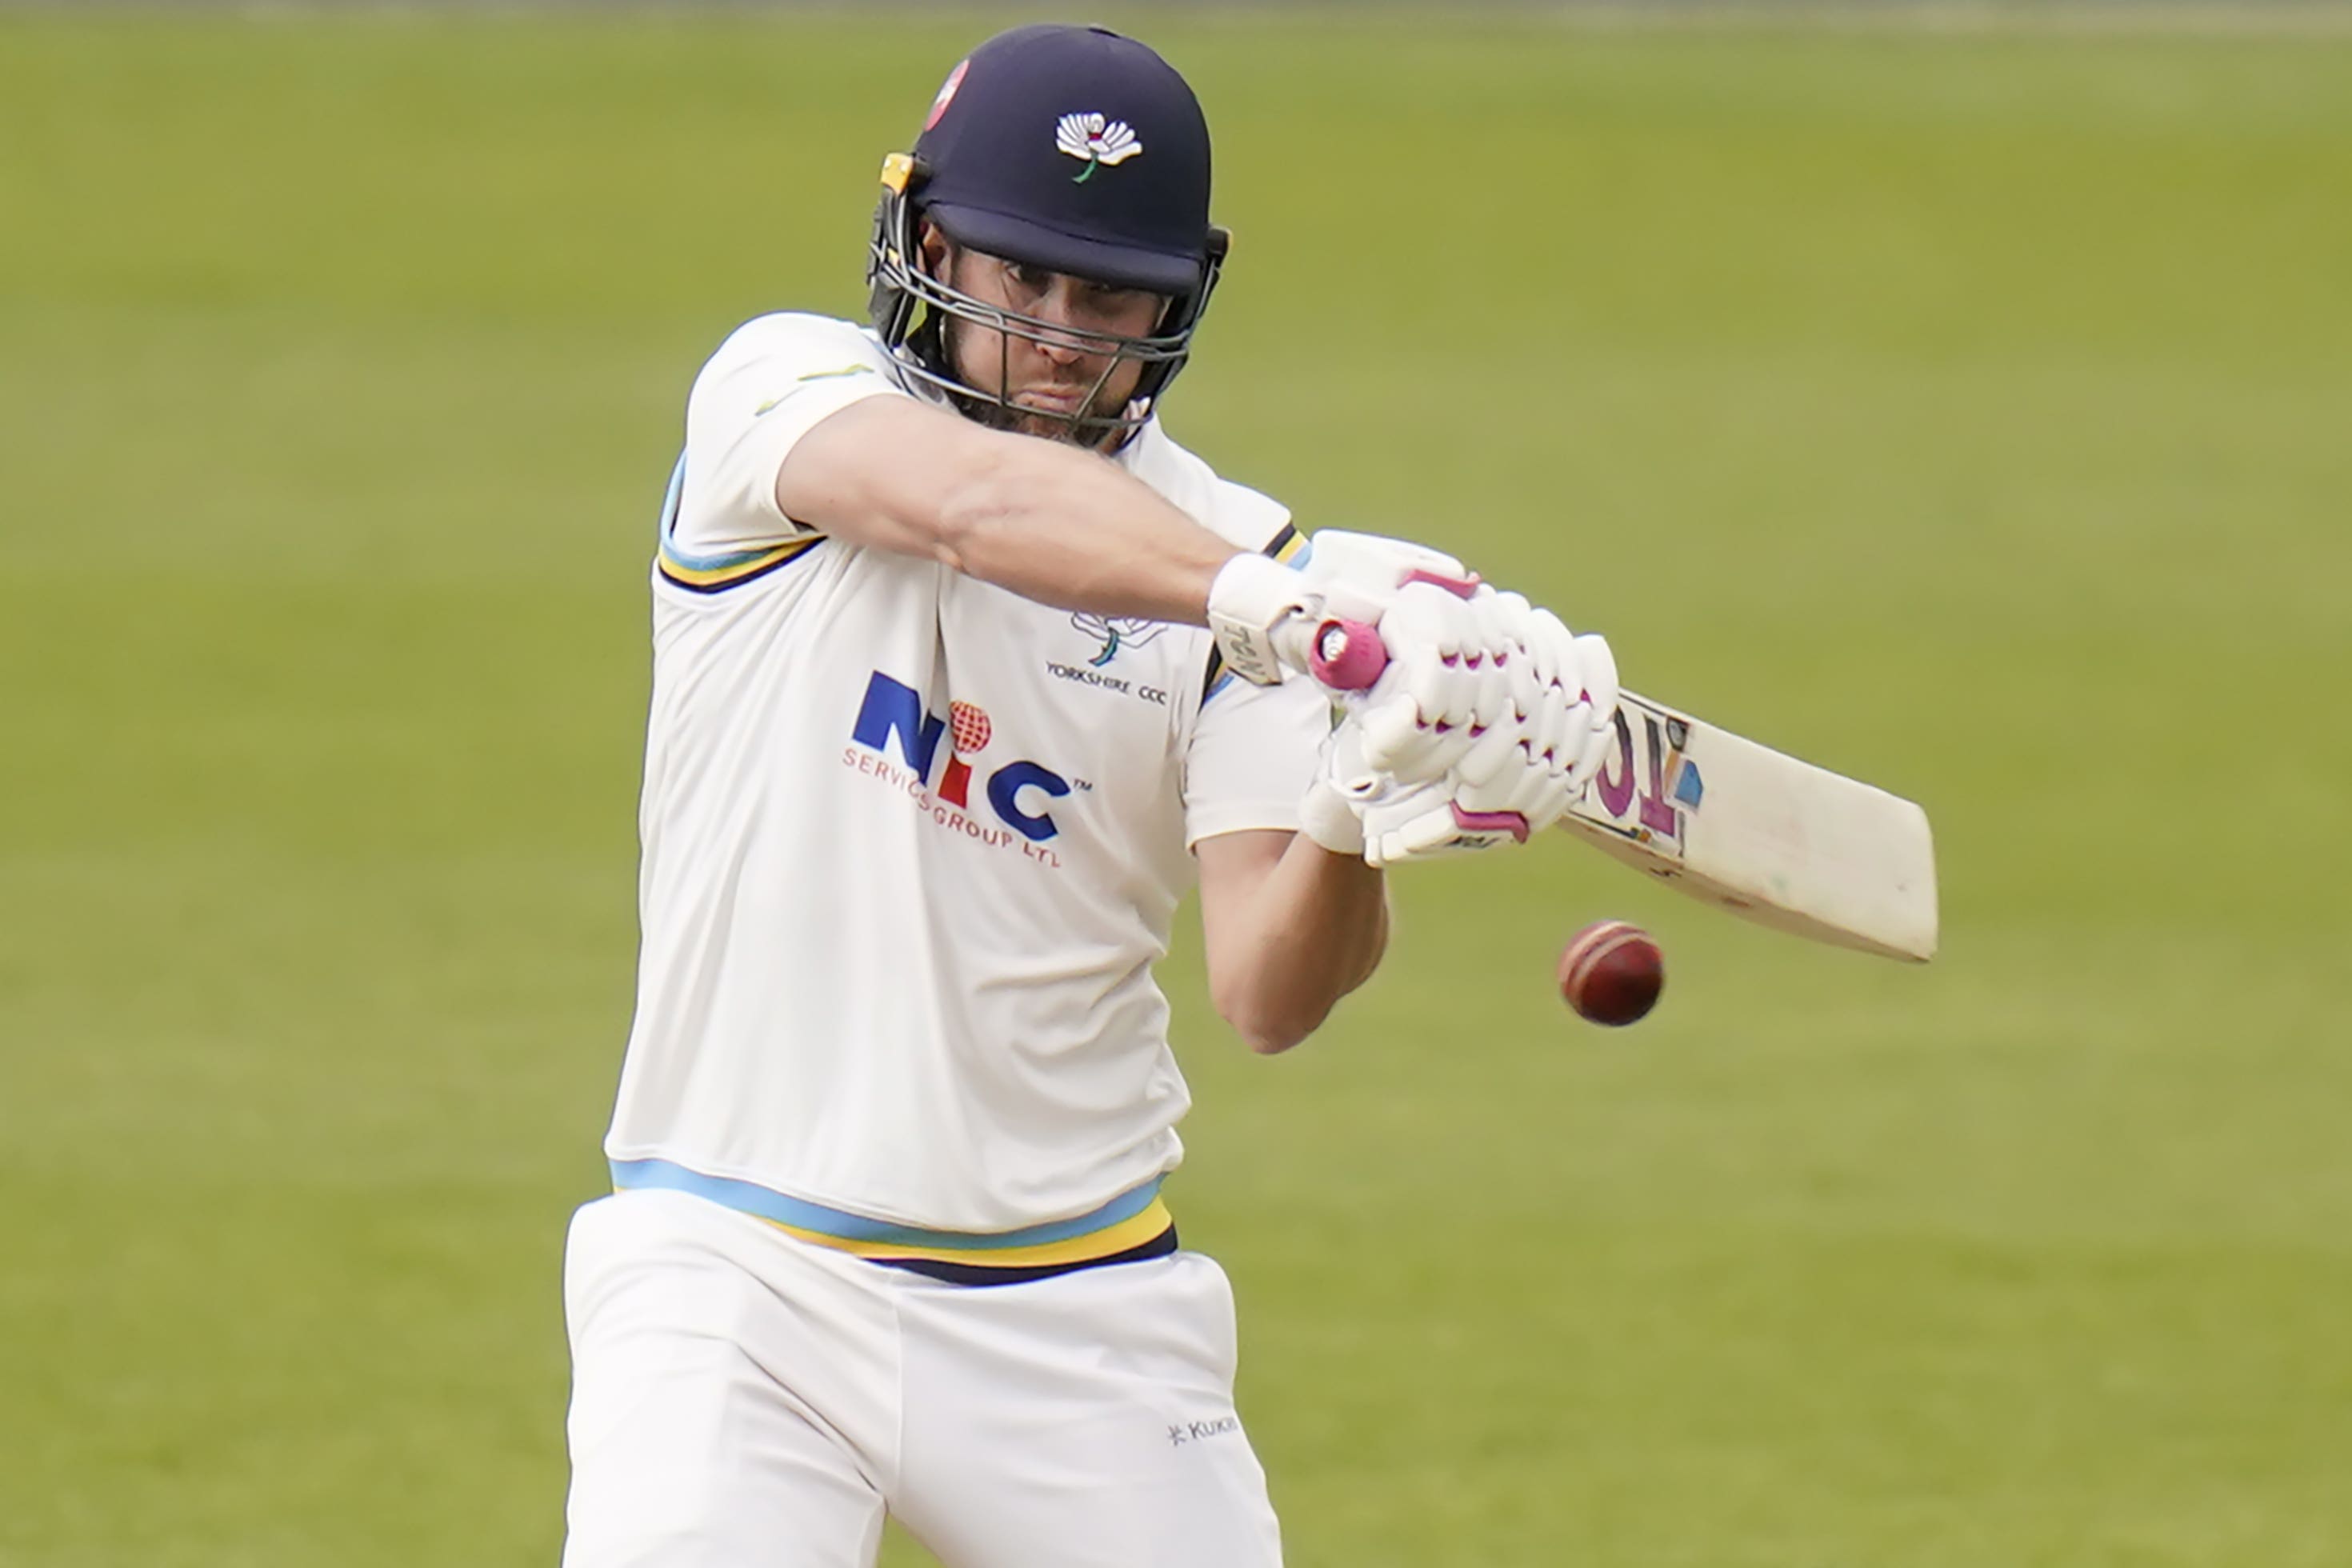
x,y
1072,148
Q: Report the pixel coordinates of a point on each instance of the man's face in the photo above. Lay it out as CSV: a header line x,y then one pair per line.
x,y
1056,376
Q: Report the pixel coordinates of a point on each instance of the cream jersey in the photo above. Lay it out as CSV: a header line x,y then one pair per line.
x,y
912,845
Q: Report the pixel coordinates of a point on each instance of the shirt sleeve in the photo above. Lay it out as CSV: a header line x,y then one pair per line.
x,y
770,384
1251,754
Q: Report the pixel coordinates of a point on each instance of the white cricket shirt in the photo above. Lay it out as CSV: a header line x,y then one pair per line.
x,y
911,847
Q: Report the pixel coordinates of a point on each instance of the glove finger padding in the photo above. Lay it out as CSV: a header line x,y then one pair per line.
x,y
1399,741
1490,694
1547,641
1424,825
1557,731
1345,766
1427,619
1537,783
1332,813
1598,686
1490,754
1578,677
1546,800
1594,741
1490,720
1597,664
1418,717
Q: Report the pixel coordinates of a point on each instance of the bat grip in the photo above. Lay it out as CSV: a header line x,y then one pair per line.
x,y
1346,655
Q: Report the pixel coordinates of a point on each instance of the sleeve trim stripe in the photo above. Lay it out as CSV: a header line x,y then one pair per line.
x,y
725,561
732,572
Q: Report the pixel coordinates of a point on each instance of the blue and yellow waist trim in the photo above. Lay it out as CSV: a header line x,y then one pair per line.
x,y
1132,1227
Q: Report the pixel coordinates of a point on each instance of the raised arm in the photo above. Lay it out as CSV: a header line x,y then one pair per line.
x,y
1044,519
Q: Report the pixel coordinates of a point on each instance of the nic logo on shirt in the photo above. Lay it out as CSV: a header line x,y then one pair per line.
x,y
895,711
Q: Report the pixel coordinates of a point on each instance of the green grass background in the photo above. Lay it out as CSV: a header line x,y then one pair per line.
x,y
1968,411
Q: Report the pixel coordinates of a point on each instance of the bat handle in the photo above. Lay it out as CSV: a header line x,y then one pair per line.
x,y
1346,655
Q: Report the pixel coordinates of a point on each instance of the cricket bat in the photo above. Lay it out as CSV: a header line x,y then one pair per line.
x,y
1739,826
1722,819
1754,831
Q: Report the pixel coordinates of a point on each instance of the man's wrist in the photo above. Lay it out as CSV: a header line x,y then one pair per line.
x,y
1250,600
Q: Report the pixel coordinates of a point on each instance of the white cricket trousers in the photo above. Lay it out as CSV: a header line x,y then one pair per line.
x,y
742,1399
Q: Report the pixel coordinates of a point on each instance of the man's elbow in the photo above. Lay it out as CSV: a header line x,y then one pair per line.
x,y
1271,1026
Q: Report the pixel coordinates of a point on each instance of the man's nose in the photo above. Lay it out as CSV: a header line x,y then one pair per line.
x,y
1060,309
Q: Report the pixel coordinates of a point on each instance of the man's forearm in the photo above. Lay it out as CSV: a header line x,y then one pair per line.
x,y
1042,519
1074,530
1316,931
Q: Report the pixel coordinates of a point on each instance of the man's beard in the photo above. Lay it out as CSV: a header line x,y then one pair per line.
x,y
1094,424
1058,427
1095,427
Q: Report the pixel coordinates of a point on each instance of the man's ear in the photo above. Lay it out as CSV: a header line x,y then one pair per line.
x,y
935,246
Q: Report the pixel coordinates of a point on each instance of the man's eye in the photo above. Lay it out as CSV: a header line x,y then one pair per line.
x,y
1025,276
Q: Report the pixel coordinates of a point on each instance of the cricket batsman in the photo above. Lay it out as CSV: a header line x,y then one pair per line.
x,y
963,672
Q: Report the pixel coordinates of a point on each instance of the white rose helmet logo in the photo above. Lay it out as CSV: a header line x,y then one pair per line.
x,y
1097,141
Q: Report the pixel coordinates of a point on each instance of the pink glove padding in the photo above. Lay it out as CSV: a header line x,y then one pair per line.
x,y
1448,683
1507,771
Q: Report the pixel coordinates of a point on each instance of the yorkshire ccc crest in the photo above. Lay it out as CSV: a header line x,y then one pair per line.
x,y
1117,632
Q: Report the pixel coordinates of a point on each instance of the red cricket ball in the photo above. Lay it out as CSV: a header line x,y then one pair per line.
x,y
1612,972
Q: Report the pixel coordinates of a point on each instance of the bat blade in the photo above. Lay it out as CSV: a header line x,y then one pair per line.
x,y
1773,839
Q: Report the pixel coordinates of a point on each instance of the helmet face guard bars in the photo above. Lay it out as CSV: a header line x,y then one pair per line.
x,y
910,309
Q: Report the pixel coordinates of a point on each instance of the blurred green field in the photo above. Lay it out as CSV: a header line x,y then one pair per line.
x,y
1966,411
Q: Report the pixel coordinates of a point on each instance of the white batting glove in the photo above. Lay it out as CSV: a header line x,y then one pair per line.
x,y
1490,717
1423,822
1519,770
1332,812
1469,678
1263,613
1448,683
1259,611
1563,691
